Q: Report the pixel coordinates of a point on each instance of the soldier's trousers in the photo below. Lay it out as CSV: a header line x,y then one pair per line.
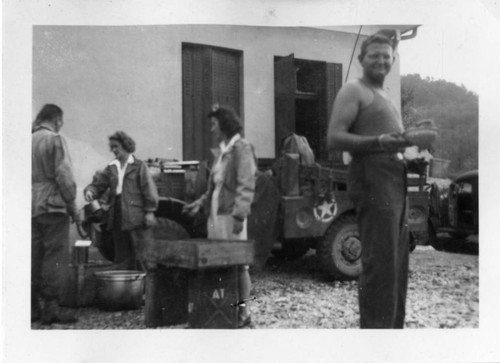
x,y
377,186
49,241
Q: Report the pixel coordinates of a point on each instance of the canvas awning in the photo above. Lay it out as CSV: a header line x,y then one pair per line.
x,y
371,29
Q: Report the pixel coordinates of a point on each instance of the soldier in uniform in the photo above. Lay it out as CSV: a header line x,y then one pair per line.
x,y
53,194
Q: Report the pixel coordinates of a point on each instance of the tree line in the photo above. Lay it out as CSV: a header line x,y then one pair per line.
x,y
455,112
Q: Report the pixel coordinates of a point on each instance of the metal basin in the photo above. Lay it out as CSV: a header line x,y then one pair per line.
x,y
120,289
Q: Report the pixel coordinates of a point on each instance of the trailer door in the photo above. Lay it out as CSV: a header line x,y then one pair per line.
x,y
285,85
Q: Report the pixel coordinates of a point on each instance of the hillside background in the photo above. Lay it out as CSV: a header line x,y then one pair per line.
x,y
455,111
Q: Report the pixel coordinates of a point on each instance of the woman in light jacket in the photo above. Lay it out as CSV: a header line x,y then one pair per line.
x,y
133,199
231,188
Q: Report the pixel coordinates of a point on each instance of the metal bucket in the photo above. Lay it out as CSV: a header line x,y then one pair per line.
x,y
119,289
438,168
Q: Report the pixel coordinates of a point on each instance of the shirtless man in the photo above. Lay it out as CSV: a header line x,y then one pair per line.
x,y
366,123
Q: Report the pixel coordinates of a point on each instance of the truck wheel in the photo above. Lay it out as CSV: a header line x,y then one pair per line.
x,y
339,251
103,240
152,250
413,242
434,241
167,229
292,248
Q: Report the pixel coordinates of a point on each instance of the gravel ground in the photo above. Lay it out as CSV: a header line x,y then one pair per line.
x,y
443,292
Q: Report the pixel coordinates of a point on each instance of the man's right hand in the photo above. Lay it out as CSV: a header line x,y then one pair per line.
x,y
89,196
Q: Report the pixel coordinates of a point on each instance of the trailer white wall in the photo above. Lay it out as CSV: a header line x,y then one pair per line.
x,y
109,78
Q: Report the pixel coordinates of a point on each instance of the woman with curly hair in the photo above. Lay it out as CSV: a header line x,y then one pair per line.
x,y
230,192
133,199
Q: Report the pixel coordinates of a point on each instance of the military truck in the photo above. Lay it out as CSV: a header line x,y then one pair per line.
x,y
316,212
454,209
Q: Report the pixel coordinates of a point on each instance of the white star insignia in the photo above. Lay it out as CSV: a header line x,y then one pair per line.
x,y
325,211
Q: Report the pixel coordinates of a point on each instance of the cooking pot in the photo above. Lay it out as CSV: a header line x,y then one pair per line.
x,y
94,212
119,289
94,206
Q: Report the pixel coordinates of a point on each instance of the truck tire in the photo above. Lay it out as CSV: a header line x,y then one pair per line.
x,y
167,229
103,240
412,243
434,241
151,251
339,251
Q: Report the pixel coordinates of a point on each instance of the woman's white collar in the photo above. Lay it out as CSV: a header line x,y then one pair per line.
x,y
116,162
224,148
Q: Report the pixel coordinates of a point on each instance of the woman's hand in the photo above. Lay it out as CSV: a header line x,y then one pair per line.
x,y
237,226
192,209
149,219
89,196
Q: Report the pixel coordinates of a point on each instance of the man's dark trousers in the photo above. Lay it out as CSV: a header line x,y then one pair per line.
x,y
49,241
377,185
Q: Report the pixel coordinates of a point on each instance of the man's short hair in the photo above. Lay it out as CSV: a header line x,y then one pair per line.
x,y
49,112
380,37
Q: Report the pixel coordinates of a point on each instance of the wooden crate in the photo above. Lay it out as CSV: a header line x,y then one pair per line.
x,y
196,280
213,294
166,297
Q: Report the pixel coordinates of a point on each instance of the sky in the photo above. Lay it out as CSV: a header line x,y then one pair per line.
x,y
442,52
448,44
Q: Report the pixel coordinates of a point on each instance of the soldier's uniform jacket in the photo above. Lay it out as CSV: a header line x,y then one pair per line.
x,y
53,189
